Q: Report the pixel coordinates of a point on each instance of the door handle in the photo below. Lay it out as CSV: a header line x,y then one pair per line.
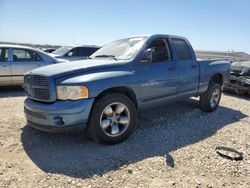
x,y
193,66
172,69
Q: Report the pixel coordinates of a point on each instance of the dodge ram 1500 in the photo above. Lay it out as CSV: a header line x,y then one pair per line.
x,y
104,93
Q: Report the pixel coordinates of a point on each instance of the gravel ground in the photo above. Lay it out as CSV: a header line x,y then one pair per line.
x,y
173,146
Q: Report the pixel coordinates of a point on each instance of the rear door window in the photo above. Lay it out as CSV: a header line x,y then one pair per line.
x,y
182,50
25,55
84,51
80,51
76,52
90,51
4,54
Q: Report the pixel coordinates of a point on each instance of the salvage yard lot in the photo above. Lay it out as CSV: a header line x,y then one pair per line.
x,y
173,145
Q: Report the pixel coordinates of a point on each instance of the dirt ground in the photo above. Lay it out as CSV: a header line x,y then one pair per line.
x,y
173,146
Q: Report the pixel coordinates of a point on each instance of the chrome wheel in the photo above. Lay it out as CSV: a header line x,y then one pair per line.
x,y
215,97
115,119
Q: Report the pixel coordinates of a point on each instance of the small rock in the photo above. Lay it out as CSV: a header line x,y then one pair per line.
x,y
78,184
130,171
172,182
9,166
198,182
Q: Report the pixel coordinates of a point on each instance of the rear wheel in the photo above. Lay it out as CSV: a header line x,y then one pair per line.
x,y
112,119
210,100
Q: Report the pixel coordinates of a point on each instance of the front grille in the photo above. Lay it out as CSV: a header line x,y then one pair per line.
x,y
41,93
39,80
37,87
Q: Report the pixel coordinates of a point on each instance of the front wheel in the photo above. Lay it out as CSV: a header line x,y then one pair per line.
x,y
112,119
210,100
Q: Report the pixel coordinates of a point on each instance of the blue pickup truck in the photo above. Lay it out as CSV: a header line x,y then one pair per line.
x,y
104,93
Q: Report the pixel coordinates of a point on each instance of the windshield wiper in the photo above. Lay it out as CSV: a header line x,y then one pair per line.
x,y
110,56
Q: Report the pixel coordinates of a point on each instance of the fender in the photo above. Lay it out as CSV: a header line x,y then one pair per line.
x,y
101,81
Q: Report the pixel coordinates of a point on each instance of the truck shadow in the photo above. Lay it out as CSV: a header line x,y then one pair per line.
x,y
160,132
11,91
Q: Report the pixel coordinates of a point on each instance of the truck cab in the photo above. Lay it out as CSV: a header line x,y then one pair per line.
x,y
170,71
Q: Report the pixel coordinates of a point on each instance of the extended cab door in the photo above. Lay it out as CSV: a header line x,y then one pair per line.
x,y
158,79
187,66
24,60
5,76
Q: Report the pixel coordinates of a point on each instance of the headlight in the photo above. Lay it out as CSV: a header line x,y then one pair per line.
x,y
72,92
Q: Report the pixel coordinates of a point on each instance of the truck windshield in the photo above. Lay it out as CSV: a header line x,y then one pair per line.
x,y
120,49
63,50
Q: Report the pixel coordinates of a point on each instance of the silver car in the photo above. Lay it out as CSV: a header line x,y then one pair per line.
x,y
17,60
73,53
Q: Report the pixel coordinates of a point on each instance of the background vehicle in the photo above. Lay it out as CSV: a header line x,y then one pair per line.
x,y
17,60
239,81
49,50
73,53
104,93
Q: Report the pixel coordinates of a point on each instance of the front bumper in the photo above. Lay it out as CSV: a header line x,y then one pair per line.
x,y
59,116
239,85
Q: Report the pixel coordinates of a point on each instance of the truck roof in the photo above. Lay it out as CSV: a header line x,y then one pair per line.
x,y
168,35
157,36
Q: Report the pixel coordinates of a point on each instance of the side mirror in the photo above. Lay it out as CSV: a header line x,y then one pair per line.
x,y
148,57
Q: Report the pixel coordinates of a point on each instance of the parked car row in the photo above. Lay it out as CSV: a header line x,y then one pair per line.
x,y
15,60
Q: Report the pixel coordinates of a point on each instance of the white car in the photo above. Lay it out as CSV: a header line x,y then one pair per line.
x,y
15,61
73,53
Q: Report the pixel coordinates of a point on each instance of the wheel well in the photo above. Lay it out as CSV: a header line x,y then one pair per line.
x,y
217,78
123,90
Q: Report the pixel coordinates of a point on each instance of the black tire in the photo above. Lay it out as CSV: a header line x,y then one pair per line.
x,y
95,130
205,98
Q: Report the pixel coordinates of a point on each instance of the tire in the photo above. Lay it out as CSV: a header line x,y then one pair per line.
x,y
107,126
207,104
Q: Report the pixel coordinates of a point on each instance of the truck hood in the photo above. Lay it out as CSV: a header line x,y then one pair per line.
x,y
75,67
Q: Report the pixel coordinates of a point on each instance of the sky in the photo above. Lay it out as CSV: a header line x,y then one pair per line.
x,y
219,25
